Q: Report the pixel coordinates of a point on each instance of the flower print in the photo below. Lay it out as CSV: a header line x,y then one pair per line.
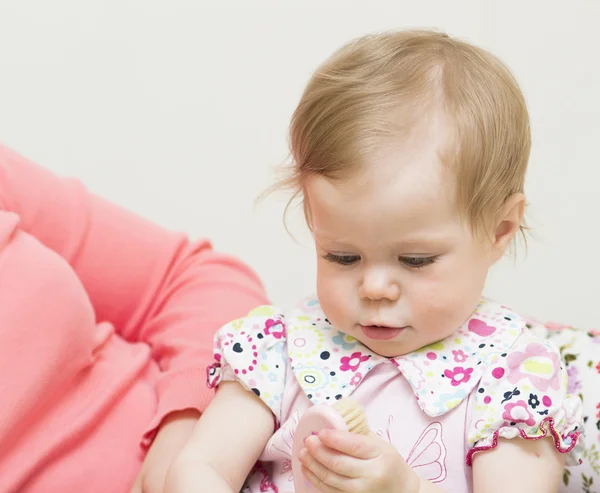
x,y
356,378
536,363
517,412
353,361
598,367
344,340
573,382
459,375
275,328
533,401
598,413
459,355
594,335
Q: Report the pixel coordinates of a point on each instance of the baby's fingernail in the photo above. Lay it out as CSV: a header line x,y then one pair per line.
x,y
312,439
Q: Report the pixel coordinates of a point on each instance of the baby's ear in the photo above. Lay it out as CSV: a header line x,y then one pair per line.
x,y
508,223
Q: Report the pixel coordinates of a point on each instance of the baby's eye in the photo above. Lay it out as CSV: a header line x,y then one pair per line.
x,y
342,259
417,262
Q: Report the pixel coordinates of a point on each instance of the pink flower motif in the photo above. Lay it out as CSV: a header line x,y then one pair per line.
x,y
517,412
536,363
459,375
556,326
459,356
353,361
275,328
356,378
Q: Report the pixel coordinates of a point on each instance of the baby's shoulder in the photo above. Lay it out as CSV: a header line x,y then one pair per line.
x,y
253,349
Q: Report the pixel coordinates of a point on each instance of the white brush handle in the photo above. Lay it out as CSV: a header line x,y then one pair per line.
x,y
314,420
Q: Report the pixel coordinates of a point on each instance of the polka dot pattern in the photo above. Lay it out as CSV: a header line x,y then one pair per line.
x,y
516,381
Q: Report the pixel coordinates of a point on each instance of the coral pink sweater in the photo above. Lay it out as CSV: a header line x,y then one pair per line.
x,y
106,326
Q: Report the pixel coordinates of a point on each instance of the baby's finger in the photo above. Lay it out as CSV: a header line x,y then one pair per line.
x,y
317,483
323,475
342,464
358,446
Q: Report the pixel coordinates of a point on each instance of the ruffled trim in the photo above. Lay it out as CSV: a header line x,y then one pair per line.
x,y
213,375
266,484
216,374
546,427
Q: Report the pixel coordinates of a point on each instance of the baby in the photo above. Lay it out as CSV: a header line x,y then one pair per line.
x,y
410,151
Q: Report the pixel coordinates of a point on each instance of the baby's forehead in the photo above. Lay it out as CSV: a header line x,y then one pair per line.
x,y
385,208
423,149
401,172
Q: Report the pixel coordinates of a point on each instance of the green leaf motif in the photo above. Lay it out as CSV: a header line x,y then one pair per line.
x,y
587,483
570,357
592,455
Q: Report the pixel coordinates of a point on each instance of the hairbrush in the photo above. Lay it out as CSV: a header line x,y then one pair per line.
x,y
344,415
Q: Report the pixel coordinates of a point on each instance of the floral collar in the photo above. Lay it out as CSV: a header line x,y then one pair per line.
x,y
329,364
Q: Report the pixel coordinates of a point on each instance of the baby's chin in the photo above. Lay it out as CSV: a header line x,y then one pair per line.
x,y
387,349
390,348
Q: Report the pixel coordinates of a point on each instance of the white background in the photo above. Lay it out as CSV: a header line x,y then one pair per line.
x,y
179,111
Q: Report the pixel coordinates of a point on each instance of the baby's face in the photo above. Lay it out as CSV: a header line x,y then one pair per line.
x,y
393,251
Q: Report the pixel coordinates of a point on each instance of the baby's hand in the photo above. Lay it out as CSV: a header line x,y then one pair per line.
x,y
337,461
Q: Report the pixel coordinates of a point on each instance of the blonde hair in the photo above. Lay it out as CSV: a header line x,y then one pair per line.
x,y
378,87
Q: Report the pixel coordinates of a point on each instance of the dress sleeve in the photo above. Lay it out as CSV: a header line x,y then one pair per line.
x,y
155,286
252,350
523,393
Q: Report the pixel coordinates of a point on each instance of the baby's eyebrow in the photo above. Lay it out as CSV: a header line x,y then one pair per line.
x,y
426,242
325,237
434,240
339,242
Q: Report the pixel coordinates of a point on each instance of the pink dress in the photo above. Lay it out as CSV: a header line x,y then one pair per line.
x,y
438,406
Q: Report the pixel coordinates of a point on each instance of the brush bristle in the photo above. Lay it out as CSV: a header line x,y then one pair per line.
x,y
353,415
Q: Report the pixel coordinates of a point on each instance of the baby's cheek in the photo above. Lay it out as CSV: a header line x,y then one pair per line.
x,y
436,307
452,315
335,298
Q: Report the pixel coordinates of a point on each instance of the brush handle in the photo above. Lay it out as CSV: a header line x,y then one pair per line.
x,y
317,418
